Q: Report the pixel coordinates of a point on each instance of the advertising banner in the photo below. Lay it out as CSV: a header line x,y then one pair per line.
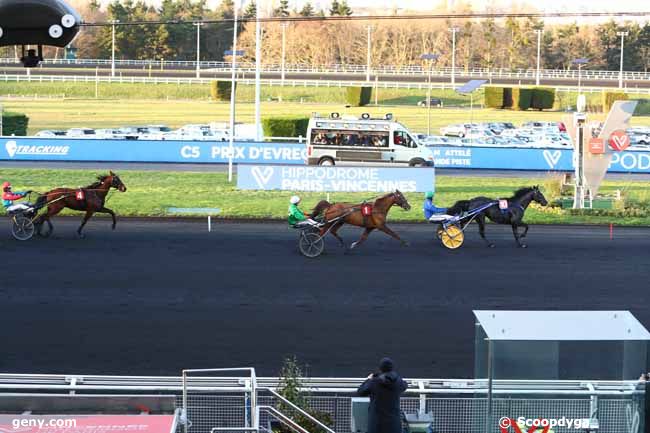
x,y
335,178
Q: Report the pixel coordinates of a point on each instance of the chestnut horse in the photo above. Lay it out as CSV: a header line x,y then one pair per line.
x,y
90,199
352,214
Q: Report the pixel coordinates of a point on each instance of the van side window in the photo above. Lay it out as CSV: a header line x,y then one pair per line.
x,y
401,138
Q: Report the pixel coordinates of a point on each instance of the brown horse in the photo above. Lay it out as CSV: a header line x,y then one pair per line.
x,y
353,214
90,199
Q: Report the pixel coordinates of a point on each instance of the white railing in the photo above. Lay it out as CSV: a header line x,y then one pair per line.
x,y
272,82
512,73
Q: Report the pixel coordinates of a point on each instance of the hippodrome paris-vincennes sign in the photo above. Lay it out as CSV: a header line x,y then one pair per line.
x,y
335,179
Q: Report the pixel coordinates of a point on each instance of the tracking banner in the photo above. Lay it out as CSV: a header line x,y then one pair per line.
x,y
334,178
172,151
63,149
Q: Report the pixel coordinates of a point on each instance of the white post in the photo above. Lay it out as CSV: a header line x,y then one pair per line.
x,y
539,54
579,80
232,93
258,67
620,73
284,48
198,49
429,100
96,82
369,54
113,48
453,31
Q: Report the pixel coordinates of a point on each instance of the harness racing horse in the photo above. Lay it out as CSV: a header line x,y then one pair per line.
x,y
353,214
90,199
512,215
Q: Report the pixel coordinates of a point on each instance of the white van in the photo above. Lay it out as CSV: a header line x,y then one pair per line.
x,y
337,139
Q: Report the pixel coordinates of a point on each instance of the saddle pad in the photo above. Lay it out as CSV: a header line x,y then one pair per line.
x,y
366,209
79,195
503,204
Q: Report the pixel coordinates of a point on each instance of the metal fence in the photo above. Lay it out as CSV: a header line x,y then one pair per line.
x,y
517,73
457,406
423,86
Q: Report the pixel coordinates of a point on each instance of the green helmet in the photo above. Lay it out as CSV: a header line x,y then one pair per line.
x,y
428,195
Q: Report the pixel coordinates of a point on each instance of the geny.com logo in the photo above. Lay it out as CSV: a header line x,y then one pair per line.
x,y
530,425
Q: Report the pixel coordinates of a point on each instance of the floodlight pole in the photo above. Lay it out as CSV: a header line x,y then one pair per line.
x,y
284,50
539,54
198,49
258,67
233,83
429,99
113,22
453,31
369,53
620,73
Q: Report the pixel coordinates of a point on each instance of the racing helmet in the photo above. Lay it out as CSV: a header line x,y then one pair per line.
x,y
294,199
428,195
6,185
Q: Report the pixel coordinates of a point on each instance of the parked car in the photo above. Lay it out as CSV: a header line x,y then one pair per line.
x,y
81,133
435,102
50,133
458,130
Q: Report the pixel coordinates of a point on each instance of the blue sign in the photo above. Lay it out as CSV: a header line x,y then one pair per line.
x,y
62,149
335,179
510,158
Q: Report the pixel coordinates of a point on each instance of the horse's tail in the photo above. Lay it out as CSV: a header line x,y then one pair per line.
x,y
320,207
459,207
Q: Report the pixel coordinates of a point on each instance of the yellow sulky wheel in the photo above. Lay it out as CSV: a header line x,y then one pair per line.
x,y
452,237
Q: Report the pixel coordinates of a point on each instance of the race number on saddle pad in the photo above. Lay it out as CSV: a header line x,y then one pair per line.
x,y
366,209
503,204
79,195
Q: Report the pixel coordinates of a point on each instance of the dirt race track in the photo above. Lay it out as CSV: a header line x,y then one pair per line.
x,y
154,297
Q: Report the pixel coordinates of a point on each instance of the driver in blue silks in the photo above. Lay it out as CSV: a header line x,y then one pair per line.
x,y
431,212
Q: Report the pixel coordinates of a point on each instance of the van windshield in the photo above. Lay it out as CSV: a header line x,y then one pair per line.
x,y
402,138
328,137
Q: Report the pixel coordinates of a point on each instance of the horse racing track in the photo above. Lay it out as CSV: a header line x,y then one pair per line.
x,y
155,297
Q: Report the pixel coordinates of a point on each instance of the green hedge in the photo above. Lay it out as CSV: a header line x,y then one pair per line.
x,y
220,90
610,97
642,108
494,97
358,96
285,126
543,98
521,98
14,123
507,97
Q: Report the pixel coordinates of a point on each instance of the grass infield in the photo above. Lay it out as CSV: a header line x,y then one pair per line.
x,y
151,193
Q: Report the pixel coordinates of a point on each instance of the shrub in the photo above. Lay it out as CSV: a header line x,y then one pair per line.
x,y
285,126
642,108
507,97
358,96
14,123
543,98
521,98
610,97
220,90
494,97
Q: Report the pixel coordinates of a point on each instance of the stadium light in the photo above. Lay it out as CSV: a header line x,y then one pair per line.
x,y
284,49
620,74
233,77
580,62
113,22
430,58
258,69
539,54
453,31
198,48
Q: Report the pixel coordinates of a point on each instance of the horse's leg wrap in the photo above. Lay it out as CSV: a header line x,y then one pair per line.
x,y
362,239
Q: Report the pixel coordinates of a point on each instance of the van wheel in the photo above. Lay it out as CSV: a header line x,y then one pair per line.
x,y
326,161
417,162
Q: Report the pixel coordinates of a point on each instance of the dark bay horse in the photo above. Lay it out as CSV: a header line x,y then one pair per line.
x,y
90,199
353,215
512,215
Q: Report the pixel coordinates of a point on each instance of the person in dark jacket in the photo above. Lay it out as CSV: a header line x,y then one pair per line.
x,y
384,389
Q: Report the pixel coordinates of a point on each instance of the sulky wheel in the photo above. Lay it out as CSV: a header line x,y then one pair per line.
x,y
439,231
22,228
311,244
452,237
